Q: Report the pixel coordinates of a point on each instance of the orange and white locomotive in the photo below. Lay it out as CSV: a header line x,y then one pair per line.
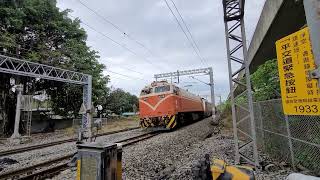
x,y
165,106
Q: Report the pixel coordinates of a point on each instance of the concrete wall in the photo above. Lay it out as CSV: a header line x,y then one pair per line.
x,y
39,123
279,18
267,16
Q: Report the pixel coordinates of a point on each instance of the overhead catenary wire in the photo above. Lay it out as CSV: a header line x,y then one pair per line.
x,y
117,28
184,32
119,44
29,50
121,31
122,67
135,78
199,80
120,78
188,29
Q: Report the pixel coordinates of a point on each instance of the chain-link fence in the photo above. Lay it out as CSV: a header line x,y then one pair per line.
x,y
293,139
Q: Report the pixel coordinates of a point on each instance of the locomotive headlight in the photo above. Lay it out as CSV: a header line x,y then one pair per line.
x,y
161,96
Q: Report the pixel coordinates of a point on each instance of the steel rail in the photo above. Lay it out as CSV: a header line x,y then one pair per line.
x,y
30,173
15,174
41,146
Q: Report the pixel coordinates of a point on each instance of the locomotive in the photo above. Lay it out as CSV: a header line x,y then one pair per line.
x,y
165,106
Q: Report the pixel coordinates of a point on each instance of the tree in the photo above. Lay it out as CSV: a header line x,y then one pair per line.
x,y
36,30
265,81
120,101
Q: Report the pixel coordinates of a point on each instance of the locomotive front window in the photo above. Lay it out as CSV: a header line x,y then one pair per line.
x,y
146,91
160,89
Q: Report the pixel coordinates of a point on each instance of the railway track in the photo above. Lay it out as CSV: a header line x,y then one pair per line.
x,y
40,146
52,167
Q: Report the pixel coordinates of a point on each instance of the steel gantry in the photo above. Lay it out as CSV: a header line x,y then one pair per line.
x,y
205,71
237,57
21,67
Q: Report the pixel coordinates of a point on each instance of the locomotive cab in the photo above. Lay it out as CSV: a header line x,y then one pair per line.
x,y
158,104
158,98
164,105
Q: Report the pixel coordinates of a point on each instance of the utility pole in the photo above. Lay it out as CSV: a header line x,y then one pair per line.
x,y
212,93
19,89
220,98
178,76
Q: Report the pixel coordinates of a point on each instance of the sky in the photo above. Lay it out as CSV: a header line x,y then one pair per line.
x,y
153,41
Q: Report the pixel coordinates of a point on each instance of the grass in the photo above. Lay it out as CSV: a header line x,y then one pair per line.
x,y
119,124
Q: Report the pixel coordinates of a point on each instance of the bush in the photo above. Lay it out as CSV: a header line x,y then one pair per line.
x,y
265,81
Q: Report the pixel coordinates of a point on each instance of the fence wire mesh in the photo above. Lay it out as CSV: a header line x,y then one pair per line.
x,y
293,139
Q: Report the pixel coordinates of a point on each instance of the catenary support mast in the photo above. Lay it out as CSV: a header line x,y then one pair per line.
x,y
10,65
205,71
237,53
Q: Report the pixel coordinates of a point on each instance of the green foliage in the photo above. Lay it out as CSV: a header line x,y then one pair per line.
x,y
224,106
265,81
120,101
36,30
265,84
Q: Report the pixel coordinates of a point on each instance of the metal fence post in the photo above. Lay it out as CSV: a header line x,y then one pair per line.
x,y
261,123
290,141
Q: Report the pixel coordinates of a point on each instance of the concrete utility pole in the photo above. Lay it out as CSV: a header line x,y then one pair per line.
x,y
178,76
19,89
212,93
220,98
87,116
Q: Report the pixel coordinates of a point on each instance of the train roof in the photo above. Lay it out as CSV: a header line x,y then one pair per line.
x,y
163,83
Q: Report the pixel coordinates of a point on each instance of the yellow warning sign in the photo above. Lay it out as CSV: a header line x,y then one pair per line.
x,y
300,93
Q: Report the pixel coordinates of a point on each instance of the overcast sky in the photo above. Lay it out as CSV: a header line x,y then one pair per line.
x,y
166,49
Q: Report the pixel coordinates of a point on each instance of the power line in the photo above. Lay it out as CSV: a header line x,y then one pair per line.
x,y
121,45
199,80
184,32
117,27
29,50
115,77
186,26
127,76
122,67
